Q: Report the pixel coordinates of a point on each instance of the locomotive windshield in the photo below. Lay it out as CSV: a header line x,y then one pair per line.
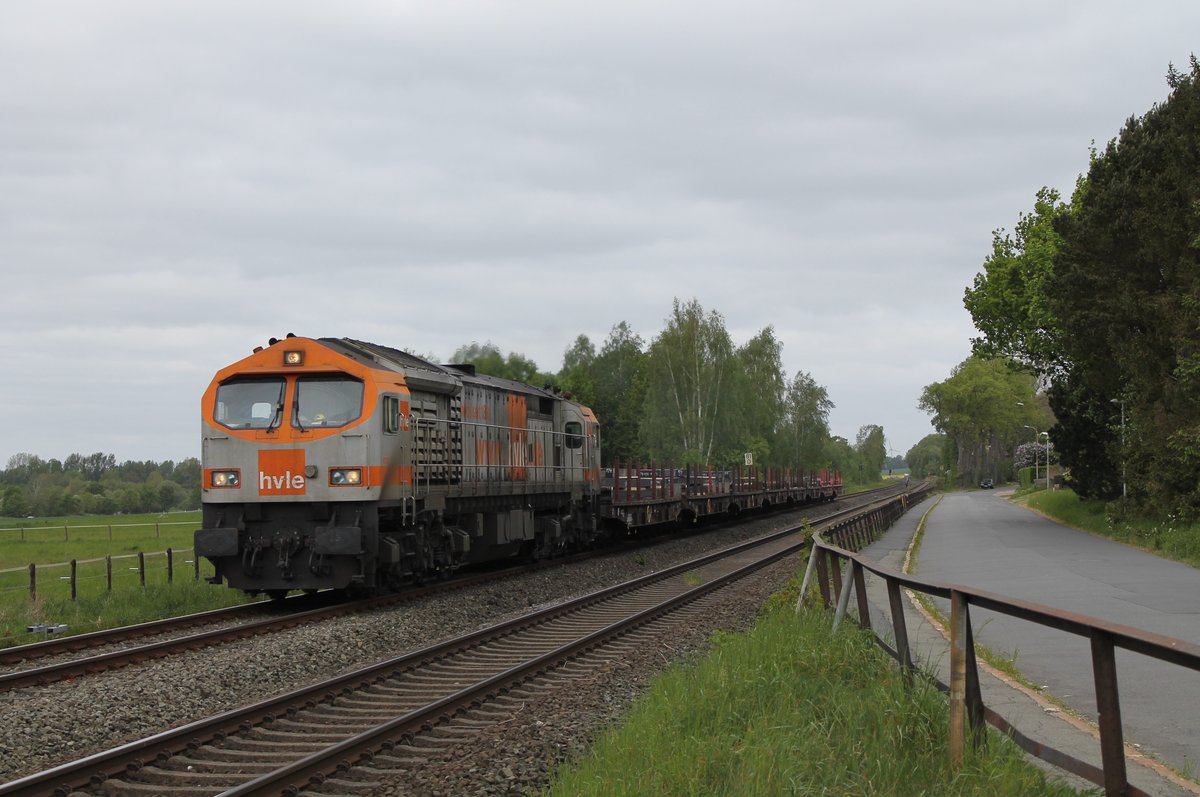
x,y
250,403
326,401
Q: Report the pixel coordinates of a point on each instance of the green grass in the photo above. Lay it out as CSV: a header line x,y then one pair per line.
x,y
790,709
50,540
86,540
125,605
1166,537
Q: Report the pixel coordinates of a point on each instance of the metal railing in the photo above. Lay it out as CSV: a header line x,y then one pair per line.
x,y
967,710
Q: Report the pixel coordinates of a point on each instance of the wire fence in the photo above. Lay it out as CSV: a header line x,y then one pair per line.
x,y
86,532
102,574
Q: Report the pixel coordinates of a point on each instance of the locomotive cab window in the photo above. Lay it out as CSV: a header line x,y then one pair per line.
x,y
326,401
574,430
249,403
391,414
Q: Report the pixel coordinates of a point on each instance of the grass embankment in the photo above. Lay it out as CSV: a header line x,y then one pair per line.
x,y
789,709
48,546
1165,537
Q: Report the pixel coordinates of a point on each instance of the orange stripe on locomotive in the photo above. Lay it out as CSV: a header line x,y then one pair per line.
x,y
315,359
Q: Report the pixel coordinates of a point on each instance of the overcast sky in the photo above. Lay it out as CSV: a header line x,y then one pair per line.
x,y
181,181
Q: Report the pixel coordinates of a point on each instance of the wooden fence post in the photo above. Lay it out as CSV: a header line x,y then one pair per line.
x,y
170,567
32,581
74,580
108,571
142,567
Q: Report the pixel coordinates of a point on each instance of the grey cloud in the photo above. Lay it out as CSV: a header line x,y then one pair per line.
x,y
179,182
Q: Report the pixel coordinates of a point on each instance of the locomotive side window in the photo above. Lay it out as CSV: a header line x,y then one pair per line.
x,y
574,430
391,414
249,403
325,401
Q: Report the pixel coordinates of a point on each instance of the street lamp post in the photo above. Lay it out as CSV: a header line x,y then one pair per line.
x,y
1036,435
1047,436
1124,493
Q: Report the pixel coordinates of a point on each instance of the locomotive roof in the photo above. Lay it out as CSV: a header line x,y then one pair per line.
x,y
403,361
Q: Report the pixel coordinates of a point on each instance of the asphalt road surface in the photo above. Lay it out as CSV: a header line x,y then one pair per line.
x,y
981,540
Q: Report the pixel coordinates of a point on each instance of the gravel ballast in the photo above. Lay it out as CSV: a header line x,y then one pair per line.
x,y
64,721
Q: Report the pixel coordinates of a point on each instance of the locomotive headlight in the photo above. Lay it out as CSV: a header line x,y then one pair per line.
x,y
345,477
225,478
293,358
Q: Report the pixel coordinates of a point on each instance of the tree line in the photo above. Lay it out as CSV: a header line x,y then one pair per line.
x,y
690,396
95,484
1095,301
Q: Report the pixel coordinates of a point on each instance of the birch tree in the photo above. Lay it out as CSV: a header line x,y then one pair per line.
x,y
805,423
690,365
757,402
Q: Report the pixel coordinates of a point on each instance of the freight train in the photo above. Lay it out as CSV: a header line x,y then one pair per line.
x,y
337,463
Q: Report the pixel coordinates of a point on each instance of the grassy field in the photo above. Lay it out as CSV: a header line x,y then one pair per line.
x,y
51,543
790,709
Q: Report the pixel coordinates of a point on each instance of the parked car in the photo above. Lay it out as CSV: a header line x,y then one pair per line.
x,y
986,484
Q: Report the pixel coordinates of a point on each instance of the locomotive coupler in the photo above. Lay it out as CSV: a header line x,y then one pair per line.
x,y
288,543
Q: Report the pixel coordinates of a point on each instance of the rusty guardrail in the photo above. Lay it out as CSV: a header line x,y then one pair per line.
x,y
967,710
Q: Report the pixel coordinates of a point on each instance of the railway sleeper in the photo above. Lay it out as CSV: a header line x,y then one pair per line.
x,y
388,762
318,727
181,763
119,788
182,783
452,732
376,711
304,735
228,755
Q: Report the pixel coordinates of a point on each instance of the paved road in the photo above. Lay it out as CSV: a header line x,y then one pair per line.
x,y
982,540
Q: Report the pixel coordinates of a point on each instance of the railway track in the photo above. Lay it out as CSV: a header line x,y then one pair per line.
x,y
125,646
225,625
351,733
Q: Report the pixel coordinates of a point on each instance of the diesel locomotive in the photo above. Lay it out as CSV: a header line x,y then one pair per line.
x,y
337,463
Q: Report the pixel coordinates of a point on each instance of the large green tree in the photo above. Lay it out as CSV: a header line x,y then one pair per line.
x,y
805,426
1008,300
925,458
983,409
871,448
1125,291
691,382
618,376
756,405
488,359
577,376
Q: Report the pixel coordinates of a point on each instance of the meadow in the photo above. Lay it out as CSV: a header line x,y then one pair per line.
x,y
793,709
51,543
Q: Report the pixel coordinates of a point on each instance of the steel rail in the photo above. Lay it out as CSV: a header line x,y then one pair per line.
x,y
313,769
51,673
134,755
